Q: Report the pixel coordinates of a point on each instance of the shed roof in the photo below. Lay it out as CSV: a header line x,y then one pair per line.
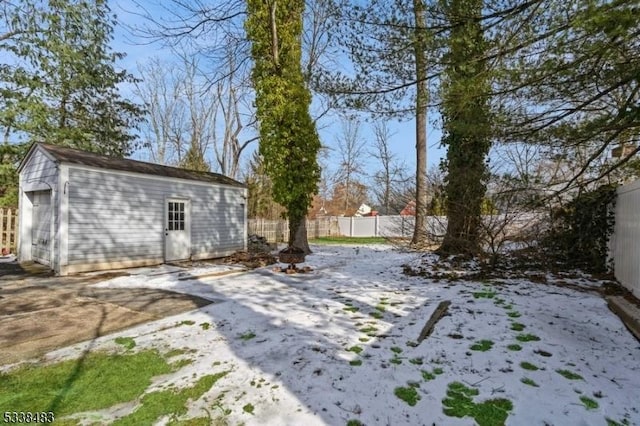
x,y
74,156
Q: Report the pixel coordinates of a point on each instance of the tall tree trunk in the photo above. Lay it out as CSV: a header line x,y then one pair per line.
x,y
298,235
422,100
466,127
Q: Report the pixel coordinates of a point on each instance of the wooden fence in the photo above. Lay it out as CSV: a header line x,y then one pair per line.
x,y
277,231
8,229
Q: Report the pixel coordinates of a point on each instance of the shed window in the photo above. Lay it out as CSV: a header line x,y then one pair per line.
x,y
175,219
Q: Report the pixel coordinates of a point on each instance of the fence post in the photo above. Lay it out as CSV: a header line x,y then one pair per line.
x,y
376,229
10,230
2,229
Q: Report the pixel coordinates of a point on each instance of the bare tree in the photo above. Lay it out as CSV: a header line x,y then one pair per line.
x,y
390,179
188,117
180,124
214,32
236,116
160,90
351,148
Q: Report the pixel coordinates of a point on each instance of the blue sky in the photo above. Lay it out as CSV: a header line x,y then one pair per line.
x,y
330,129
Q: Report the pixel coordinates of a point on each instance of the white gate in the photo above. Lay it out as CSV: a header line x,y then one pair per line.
x,y
41,229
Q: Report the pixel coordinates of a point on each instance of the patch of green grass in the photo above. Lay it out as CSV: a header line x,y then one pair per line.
x,y
351,309
355,349
248,335
513,314
459,403
567,374
376,315
438,371
364,339
508,307
427,375
181,363
396,350
514,347
97,381
348,240
528,381
589,403
205,325
355,362
486,294
196,421
175,352
611,422
516,326
369,330
527,338
354,422
187,322
416,361
248,408
408,395
127,342
498,301
380,308
528,366
482,345
395,360
171,402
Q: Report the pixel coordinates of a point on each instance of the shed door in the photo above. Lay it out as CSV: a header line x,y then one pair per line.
x,y
177,230
41,229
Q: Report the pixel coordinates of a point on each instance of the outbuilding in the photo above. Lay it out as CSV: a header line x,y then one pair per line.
x,y
79,211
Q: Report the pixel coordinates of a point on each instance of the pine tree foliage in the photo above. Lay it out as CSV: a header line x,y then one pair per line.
x,y
289,143
568,82
10,157
60,84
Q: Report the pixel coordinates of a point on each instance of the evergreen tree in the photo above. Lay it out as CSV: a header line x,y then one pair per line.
x,y
60,84
10,156
289,143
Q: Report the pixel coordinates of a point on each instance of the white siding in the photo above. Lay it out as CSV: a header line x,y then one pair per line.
x,y
39,169
119,217
39,173
625,243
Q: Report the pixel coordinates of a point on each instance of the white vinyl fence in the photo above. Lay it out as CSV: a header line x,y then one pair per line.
x,y
370,226
389,226
625,242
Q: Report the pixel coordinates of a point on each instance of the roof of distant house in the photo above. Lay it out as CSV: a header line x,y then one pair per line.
x,y
90,159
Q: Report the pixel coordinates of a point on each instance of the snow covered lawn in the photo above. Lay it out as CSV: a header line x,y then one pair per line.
x,y
340,344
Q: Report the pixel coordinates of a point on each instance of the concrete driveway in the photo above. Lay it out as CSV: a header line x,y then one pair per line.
x,y
40,312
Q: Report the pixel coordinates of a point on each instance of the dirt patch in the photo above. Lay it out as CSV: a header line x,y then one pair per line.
x,y
39,312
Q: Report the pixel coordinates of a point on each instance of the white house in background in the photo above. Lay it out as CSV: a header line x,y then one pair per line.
x,y
81,211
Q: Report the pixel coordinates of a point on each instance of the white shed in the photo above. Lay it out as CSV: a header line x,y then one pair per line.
x,y
80,211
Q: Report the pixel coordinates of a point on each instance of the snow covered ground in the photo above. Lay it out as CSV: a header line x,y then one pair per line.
x,y
292,344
